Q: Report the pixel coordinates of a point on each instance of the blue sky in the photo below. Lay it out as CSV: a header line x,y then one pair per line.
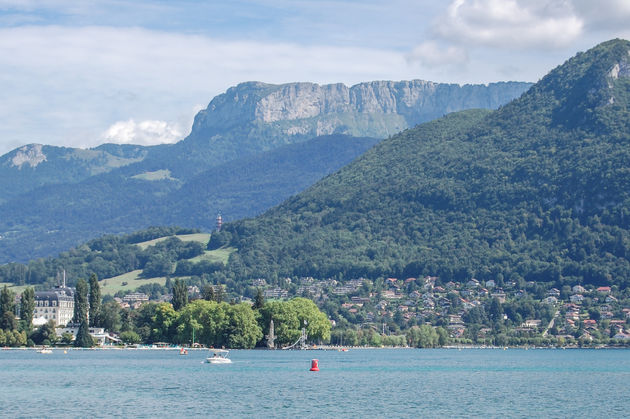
x,y
137,71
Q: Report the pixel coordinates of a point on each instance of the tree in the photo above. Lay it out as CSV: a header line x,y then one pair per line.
x,y
80,302
95,302
290,316
207,292
243,330
7,309
180,294
110,316
45,334
218,293
83,339
130,337
66,338
259,300
27,307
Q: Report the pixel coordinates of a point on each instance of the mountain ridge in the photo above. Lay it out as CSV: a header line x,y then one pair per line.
x,y
516,192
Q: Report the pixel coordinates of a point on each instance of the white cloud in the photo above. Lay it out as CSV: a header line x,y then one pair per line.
x,y
142,133
68,85
510,23
432,54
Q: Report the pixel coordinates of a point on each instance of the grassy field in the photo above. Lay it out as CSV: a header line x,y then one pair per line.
x,y
111,286
15,288
199,237
218,255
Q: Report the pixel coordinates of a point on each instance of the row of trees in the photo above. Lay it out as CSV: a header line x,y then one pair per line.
x,y
219,324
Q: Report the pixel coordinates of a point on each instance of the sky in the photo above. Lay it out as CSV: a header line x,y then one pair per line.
x,y
79,74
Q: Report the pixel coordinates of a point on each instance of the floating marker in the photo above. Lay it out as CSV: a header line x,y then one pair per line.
x,y
314,365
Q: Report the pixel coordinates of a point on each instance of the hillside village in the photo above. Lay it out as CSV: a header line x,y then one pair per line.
x,y
490,312
482,313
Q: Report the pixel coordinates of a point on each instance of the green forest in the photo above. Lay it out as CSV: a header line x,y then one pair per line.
x,y
538,189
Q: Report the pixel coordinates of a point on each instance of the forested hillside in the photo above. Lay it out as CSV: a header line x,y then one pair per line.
x,y
539,189
56,217
52,198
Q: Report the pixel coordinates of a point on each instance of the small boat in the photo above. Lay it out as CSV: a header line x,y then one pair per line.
x,y
183,351
45,351
219,356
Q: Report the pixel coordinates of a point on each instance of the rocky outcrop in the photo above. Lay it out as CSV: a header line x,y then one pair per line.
x,y
31,155
297,111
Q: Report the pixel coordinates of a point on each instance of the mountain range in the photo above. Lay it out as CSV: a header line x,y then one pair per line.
x,y
538,190
252,147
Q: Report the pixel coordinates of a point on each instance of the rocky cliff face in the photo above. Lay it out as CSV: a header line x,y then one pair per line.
x,y
297,111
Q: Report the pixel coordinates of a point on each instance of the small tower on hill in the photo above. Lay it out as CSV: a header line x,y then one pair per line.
x,y
219,222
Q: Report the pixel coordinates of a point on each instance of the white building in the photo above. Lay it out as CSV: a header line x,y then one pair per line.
x,y
56,304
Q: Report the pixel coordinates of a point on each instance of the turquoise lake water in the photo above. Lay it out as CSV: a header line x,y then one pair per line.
x,y
357,383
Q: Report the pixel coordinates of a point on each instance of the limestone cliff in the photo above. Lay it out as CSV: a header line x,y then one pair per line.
x,y
294,112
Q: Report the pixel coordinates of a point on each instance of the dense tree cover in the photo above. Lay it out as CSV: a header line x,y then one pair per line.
x,y
7,309
27,307
291,316
537,190
219,324
81,308
94,302
180,294
38,223
111,255
83,338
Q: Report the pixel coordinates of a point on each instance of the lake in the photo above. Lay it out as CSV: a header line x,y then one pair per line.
x,y
357,383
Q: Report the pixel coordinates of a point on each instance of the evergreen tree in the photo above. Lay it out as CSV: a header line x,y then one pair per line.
x,y
27,307
180,294
208,292
95,302
81,302
218,293
83,339
7,309
259,301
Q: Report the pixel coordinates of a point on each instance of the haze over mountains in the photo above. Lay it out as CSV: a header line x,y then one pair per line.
x,y
52,198
537,190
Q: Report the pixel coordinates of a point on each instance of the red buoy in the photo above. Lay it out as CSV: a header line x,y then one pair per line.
x,y
314,365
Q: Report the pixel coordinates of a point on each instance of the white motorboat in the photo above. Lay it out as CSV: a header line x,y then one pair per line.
x,y
219,356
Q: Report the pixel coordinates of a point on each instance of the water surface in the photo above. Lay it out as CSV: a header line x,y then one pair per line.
x,y
357,383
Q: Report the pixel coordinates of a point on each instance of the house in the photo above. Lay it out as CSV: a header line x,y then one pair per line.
x,y
551,300
590,324
100,336
604,290
135,296
610,299
276,293
578,289
56,304
621,336
531,324
554,292
490,284
473,283
576,298
259,282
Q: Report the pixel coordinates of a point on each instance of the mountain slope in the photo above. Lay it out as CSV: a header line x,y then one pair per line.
x,y
254,116
52,198
57,217
35,165
539,189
